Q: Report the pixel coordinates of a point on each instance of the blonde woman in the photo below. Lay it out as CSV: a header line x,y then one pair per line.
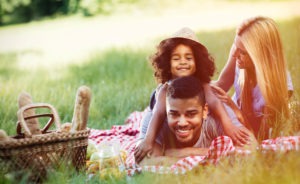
x,y
257,69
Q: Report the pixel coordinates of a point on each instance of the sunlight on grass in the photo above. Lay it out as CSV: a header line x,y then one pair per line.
x,y
54,44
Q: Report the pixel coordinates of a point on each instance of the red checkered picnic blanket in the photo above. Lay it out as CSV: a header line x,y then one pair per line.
x,y
127,135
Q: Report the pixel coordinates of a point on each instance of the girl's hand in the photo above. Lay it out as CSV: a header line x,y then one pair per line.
x,y
144,148
237,134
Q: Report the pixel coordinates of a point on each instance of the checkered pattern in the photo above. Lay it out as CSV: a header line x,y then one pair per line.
x,y
222,146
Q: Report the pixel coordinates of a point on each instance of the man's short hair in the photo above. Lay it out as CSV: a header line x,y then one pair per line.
x,y
186,87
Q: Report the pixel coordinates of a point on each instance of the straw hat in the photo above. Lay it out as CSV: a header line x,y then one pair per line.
x,y
186,34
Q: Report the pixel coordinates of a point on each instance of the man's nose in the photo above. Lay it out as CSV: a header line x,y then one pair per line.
x,y
182,121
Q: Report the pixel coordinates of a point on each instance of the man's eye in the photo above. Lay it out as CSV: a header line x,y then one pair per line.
x,y
173,114
190,115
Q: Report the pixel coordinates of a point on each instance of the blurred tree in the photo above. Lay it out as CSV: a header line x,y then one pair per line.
x,y
9,6
17,11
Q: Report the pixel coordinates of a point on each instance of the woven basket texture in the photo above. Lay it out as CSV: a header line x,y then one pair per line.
x,y
34,157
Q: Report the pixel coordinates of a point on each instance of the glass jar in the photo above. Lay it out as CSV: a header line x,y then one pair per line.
x,y
110,161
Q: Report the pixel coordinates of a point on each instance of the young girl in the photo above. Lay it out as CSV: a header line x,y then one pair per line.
x,y
257,68
178,56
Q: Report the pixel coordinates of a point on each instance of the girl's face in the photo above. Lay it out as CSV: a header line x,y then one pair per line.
x,y
243,59
182,61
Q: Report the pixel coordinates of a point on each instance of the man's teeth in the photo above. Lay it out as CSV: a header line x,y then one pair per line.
x,y
183,130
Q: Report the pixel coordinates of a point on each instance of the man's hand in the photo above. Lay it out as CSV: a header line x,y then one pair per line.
x,y
142,149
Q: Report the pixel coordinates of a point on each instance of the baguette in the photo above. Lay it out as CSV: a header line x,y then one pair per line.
x,y
3,136
66,127
33,124
81,109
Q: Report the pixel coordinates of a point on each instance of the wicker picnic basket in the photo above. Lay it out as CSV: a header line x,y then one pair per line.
x,y
34,155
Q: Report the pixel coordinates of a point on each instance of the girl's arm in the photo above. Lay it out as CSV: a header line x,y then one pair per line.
x,y
237,134
223,96
145,147
226,77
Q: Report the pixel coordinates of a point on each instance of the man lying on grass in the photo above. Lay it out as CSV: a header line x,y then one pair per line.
x,y
189,129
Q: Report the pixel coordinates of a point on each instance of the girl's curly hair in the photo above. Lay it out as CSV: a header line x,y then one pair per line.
x,y
160,61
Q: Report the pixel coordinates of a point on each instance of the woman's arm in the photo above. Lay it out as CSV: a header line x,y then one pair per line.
x,y
223,96
226,77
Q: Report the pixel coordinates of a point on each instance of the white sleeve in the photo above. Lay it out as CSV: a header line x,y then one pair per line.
x,y
289,82
232,116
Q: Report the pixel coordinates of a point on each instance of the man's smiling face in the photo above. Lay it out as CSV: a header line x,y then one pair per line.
x,y
185,119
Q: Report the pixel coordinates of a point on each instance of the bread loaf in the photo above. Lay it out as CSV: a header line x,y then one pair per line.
x,y
81,109
66,127
3,135
33,124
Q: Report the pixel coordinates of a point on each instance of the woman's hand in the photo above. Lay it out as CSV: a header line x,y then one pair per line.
x,y
144,148
223,96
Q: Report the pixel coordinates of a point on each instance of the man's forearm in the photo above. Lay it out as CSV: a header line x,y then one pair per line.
x,y
184,152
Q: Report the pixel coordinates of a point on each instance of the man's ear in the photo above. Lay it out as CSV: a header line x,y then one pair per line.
x,y
205,111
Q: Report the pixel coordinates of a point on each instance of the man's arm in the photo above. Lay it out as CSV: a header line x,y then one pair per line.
x,y
170,156
185,152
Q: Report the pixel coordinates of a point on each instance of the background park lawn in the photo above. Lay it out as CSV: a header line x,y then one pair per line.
x,y
121,80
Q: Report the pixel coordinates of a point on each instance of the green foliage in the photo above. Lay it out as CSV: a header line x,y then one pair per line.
x,y
18,11
94,7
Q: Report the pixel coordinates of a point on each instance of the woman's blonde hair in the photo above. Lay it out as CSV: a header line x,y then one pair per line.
x,y
262,41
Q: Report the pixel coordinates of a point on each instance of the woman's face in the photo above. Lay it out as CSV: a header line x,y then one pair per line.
x,y
182,61
243,59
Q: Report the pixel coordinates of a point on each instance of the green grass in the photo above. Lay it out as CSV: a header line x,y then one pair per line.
x,y
121,82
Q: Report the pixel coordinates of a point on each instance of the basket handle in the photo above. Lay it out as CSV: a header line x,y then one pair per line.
x,y
54,117
44,130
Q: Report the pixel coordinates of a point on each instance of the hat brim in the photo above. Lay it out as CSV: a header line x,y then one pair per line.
x,y
198,44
